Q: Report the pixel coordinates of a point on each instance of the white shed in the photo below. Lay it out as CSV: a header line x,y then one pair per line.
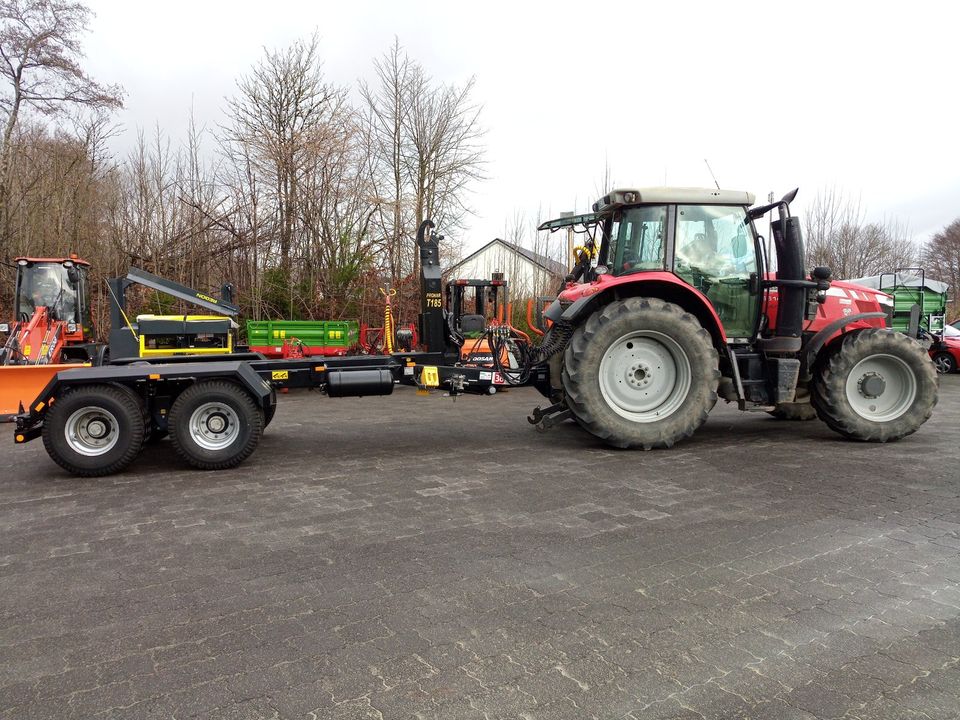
x,y
528,273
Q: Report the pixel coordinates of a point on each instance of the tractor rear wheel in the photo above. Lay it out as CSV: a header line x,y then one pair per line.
x,y
94,430
877,386
215,425
641,373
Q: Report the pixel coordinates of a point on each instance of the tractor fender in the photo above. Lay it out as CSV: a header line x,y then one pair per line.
x,y
816,343
665,286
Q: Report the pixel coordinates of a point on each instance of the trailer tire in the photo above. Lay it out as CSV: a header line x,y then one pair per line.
x,y
94,430
215,425
641,373
875,386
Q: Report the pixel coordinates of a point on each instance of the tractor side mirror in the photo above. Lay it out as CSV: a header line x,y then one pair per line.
x,y
72,275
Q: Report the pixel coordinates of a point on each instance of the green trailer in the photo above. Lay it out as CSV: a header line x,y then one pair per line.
x,y
307,338
910,287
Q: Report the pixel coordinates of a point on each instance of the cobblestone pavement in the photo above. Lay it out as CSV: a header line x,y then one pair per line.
x,y
408,557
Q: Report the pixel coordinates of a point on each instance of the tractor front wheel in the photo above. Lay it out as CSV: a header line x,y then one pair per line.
x,y
641,373
877,386
215,425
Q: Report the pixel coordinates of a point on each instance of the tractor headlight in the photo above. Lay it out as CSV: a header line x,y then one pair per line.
x,y
4,328
71,327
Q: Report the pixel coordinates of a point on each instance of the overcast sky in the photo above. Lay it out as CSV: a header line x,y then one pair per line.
x,y
860,96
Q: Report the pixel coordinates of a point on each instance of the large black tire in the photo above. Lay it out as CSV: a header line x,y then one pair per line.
x,y
215,425
944,363
641,373
94,430
876,386
794,411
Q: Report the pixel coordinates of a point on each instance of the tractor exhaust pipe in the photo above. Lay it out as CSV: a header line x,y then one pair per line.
x,y
792,284
788,240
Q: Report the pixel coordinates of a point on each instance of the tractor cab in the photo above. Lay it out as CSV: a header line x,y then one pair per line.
x,y
472,306
60,286
702,237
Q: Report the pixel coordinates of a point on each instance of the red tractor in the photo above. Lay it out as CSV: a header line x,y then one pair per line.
x,y
674,303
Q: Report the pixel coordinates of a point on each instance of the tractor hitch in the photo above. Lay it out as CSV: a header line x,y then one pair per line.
x,y
545,418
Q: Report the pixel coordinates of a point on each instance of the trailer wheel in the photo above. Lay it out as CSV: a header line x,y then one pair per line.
x,y
877,386
642,373
94,430
215,425
944,363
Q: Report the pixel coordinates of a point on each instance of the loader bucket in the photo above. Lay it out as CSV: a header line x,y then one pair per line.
x,y
21,384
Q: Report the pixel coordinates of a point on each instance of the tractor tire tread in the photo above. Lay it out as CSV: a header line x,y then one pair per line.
x,y
581,387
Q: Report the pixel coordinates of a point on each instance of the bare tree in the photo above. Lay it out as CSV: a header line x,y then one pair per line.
x,y
424,151
941,257
282,107
386,104
41,53
839,237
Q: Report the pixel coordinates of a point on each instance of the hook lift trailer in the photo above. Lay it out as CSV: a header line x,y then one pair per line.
x,y
669,306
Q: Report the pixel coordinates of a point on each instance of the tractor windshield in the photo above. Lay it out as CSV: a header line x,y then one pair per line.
x,y
46,285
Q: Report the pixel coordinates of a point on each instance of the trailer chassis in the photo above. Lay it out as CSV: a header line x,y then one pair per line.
x,y
158,385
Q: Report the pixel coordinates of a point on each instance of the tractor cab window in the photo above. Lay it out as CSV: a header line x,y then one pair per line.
x,y
47,285
715,252
637,239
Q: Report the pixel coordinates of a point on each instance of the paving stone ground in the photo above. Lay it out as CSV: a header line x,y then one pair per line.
x,y
409,557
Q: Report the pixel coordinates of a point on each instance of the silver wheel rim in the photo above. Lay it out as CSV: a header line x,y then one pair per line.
x,y
943,364
881,388
645,376
91,431
214,426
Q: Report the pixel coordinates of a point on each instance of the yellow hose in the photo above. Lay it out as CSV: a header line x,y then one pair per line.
x,y
388,320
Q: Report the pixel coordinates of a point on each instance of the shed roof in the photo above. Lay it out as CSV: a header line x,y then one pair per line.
x,y
548,264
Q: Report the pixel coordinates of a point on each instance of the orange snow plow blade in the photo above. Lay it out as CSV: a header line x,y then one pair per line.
x,y
21,384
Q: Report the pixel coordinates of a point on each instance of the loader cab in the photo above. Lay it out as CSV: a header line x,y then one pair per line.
x,y
60,285
703,237
471,306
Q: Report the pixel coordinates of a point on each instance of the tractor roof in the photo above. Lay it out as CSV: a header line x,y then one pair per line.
x,y
680,195
73,258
